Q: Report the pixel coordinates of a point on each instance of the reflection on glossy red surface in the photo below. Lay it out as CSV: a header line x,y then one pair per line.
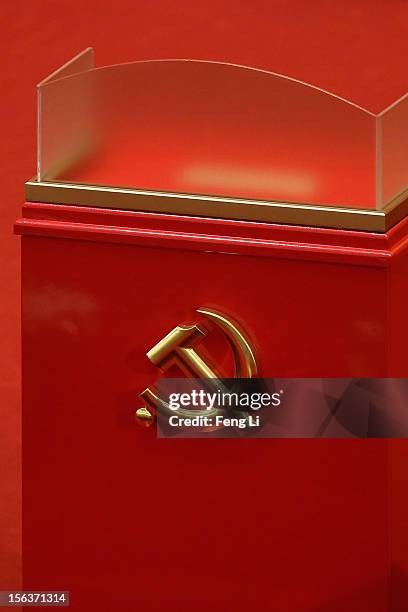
x,y
98,293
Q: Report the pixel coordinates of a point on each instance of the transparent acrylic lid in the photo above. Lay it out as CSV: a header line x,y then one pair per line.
x,y
196,127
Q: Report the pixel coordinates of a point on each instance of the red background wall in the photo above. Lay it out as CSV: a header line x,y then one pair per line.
x,y
357,49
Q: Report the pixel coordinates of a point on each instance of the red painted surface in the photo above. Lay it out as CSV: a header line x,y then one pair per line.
x,y
97,296
399,448
197,233
357,50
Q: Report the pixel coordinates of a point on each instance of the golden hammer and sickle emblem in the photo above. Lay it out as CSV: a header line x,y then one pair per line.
x,y
180,347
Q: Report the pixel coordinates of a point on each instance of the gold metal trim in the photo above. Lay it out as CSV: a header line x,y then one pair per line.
x,y
124,198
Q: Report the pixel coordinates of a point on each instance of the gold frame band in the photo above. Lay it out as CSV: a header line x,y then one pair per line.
x,y
361,219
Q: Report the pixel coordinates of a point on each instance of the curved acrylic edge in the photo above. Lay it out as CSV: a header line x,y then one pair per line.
x,y
56,75
358,163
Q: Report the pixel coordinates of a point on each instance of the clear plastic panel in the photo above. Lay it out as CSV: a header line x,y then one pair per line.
x,y
392,151
218,129
65,117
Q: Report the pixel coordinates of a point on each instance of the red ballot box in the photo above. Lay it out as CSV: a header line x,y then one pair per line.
x,y
182,204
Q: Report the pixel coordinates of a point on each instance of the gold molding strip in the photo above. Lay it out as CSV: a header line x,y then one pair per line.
x,y
361,219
